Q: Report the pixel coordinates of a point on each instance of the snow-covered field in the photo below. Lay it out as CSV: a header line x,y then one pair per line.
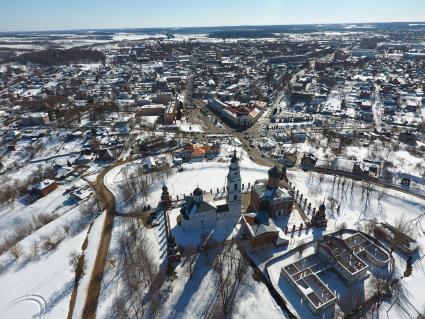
x,y
40,289
188,127
207,175
19,213
192,297
40,286
382,204
38,275
403,161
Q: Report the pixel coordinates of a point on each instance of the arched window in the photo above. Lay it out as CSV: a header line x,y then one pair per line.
x,y
235,197
236,187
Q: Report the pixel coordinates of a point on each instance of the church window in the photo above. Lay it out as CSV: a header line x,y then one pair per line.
x,y
236,187
235,197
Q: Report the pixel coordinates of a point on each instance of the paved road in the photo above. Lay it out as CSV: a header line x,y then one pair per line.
x,y
39,160
329,171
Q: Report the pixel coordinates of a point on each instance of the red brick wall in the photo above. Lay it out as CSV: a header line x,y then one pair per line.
x,y
47,190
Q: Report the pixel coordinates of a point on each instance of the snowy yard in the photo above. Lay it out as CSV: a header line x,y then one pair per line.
x,y
37,270
40,286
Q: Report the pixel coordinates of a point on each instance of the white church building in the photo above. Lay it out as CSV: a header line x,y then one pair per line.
x,y
197,213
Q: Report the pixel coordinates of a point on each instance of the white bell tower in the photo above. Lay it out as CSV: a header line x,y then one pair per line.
x,y
234,191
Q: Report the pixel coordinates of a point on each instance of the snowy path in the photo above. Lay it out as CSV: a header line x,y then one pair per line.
x,y
94,238
98,269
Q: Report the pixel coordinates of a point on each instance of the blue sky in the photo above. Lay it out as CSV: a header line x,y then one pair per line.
x,y
29,15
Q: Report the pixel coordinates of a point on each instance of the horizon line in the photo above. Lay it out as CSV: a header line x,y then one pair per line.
x,y
206,26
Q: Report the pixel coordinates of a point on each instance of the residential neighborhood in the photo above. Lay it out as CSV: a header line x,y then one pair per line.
x,y
275,171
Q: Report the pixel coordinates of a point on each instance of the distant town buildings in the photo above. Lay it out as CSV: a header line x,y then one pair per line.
x,y
35,119
237,115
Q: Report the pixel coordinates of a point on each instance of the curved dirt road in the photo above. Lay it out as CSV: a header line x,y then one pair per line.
x,y
97,272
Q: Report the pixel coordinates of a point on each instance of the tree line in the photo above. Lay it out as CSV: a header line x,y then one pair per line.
x,y
61,57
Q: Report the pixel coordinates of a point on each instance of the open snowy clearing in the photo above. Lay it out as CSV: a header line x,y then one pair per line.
x,y
41,287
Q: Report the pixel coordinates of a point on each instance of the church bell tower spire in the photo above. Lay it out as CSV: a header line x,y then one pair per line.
x,y
234,188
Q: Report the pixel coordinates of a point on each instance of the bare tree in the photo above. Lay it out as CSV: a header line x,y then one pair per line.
x,y
230,269
350,301
301,247
16,250
190,253
73,261
402,228
119,309
35,248
370,226
380,290
204,240
139,272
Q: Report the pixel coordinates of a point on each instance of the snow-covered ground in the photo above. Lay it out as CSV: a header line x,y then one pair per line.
x,y
193,297
207,175
41,280
399,155
49,293
383,204
355,211
40,286
94,238
188,297
18,213
189,127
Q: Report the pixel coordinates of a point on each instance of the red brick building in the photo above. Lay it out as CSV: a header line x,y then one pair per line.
x,y
269,197
43,188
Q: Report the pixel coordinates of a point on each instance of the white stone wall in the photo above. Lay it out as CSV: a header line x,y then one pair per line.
x,y
204,220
